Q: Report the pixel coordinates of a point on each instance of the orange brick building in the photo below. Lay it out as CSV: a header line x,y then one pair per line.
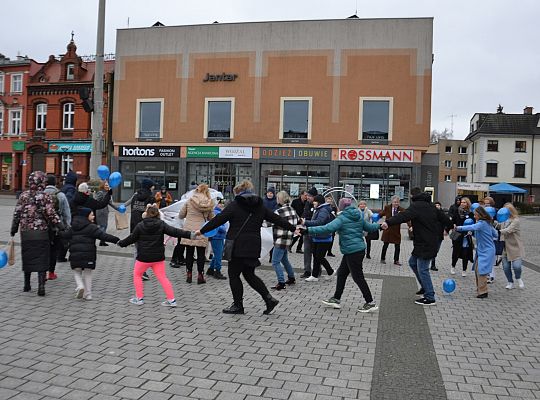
x,y
287,104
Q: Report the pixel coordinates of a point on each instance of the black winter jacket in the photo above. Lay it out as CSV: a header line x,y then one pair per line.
x,y
82,236
148,234
88,201
298,206
248,242
138,202
427,223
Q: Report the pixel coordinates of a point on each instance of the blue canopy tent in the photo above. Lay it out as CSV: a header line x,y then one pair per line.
x,y
504,192
504,187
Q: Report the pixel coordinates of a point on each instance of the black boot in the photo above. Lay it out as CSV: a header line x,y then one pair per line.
x,y
235,308
271,303
41,283
27,286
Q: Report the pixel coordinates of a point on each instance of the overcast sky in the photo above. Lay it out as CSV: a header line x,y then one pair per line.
x,y
486,51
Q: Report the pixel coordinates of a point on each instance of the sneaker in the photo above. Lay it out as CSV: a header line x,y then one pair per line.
x,y
305,275
312,279
290,281
397,263
332,302
219,275
490,280
79,293
452,271
421,292
434,268
210,272
509,286
145,277
368,307
52,276
136,301
482,296
464,273
88,297
169,303
299,251
279,286
520,283
425,302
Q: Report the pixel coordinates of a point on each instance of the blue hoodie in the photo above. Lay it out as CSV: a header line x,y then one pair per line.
x,y
69,188
222,230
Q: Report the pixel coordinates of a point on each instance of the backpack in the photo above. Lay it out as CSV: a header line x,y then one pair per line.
x,y
56,201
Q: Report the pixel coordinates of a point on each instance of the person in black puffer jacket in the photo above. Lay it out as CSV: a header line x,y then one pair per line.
x,y
148,234
139,201
82,254
246,214
83,198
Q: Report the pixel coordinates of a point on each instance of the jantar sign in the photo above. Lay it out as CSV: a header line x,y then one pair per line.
x,y
223,77
149,151
376,155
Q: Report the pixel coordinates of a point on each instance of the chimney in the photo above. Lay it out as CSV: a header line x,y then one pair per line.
x,y
528,110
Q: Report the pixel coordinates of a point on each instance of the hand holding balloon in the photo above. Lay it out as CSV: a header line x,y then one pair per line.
x,y
122,208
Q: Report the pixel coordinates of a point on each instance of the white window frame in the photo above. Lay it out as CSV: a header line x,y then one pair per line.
x,y
282,101
462,178
462,164
13,89
462,147
210,99
447,163
67,163
1,119
138,114
70,76
448,178
2,80
390,114
17,121
71,116
41,116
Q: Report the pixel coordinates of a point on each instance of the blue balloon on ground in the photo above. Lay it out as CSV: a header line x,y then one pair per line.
x,y
491,211
474,206
468,221
211,233
115,179
3,258
375,217
122,208
503,214
103,172
449,285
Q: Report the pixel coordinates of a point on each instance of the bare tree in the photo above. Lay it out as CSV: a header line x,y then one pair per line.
x,y
437,135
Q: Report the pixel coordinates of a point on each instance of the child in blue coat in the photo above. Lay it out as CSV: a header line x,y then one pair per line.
x,y
217,242
485,234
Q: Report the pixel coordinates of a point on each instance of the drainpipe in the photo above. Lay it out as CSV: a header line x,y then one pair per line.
x,y
532,162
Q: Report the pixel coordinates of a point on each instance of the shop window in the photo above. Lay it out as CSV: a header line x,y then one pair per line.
x,y
15,122
521,146
41,117
220,176
376,115
149,124
491,170
295,119
462,164
448,149
519,170
462,150
293,178
448,163
70,72
462,178
219,118
16,83
447,178
68,116
492,145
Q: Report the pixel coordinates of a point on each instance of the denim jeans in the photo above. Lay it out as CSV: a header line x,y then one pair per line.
x,y
217,248
420,267
281,256
509,265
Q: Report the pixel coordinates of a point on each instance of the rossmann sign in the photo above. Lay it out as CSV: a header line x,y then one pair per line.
x,y
389,155
149,151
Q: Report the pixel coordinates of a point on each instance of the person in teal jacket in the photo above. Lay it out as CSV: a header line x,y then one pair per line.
x,y
350,226
485,234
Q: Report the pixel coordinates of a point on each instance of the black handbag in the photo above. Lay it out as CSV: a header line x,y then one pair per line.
x,y
372,235
229,243
455,235
499,245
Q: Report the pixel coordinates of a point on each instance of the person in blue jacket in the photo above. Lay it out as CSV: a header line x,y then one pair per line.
x,y
320,243
485,234
351,226
217,242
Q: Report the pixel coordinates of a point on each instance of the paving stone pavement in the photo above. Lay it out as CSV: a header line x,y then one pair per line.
x,y
58,347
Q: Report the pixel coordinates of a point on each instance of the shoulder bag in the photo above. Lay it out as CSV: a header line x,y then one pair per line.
x,y
229,243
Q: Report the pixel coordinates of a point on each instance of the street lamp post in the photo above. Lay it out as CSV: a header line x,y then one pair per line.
x,y
385,187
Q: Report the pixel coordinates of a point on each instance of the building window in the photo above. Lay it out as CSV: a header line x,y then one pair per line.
x,y
447,178
149,124
462,164
447,163
448,149
15,122
295,118
376,117
474,147
1,121
41,117
70,72
521,146
68,116
491,170
1,83
67,164
462,150
519,170
219,118
462,178
492,145
16,83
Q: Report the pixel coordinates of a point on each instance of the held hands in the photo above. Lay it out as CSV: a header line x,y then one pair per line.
x,y
384,226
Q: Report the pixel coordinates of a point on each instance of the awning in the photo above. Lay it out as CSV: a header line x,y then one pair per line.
x,y
504,187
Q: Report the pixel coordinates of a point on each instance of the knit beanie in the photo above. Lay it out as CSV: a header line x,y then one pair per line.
x,y
344,203
84,212
313,191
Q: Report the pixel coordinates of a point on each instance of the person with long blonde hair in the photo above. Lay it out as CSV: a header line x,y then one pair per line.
x,y
513,247
462,245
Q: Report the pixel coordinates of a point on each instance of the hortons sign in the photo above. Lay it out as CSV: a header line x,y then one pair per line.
x,y
149,151
372,155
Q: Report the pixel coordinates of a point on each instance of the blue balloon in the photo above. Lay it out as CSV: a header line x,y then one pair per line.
x,y
103,172
503,214
449,285
468,221
122,208
491,211
375,217
115,179
474,206
3,258
211,233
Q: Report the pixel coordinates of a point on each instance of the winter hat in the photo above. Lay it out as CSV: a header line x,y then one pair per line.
x,y
71,178
147,183
51,180
319,199
344,203
83,212
84,188
272,190
313,191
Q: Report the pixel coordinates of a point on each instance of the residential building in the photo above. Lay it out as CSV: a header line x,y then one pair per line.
x,y
289,104
452,159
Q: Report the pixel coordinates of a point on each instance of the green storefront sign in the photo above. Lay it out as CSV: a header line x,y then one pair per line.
x,y
18,145
70,147
203,152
